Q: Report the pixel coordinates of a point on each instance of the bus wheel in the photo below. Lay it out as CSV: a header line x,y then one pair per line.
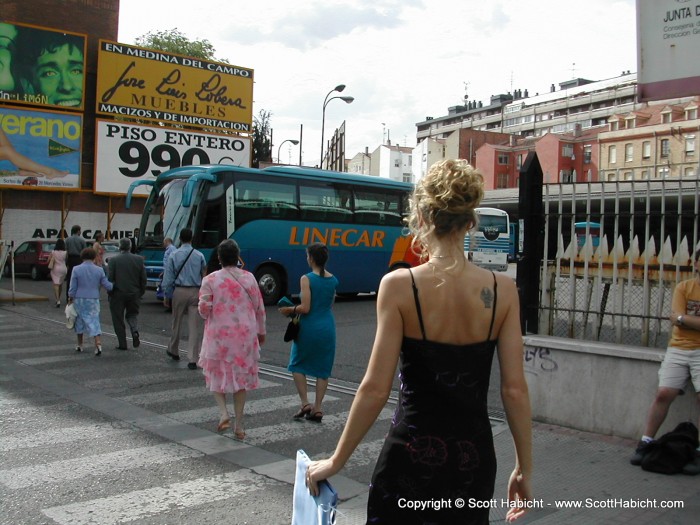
x,y
270,284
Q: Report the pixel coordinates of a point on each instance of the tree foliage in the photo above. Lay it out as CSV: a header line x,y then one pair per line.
x,y
173,41
262,138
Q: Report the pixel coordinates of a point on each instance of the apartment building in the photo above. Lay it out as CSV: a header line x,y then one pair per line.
x,y
656,141
388,161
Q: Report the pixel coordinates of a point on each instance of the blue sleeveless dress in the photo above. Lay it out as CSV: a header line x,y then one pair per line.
x,y
440,446
313,351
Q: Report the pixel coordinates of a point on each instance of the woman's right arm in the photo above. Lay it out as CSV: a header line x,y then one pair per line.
x,y
376,384
516,400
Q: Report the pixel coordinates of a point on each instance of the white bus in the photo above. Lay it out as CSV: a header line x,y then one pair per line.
x,y
489,244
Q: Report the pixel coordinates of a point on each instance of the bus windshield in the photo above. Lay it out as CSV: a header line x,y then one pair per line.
x,y
164,215
489,245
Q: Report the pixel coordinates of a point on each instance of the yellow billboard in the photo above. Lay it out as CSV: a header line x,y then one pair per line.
x,y
155,85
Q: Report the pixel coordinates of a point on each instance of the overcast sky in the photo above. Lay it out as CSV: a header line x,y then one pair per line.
x,y
402,60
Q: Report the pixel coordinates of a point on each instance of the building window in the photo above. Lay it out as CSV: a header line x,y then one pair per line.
x,y
614,125
407,177
629,152
666,118
612,154
665,148
663,172
628,175
567,150
691,114
689,145
519,161
587,154
502,181
689,172
566,177
630,123
646,149
410,160
503,159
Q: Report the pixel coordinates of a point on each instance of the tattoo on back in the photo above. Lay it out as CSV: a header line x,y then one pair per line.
x,y
487,297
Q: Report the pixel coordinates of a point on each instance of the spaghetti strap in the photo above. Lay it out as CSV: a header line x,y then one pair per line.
x,y
418,310
495,302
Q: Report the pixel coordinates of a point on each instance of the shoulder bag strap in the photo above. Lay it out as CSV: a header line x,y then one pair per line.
x,y
182,265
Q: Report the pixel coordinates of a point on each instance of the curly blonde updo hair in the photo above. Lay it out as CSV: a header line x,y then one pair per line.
x,y
443,202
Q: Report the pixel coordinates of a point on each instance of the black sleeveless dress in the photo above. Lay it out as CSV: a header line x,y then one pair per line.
x,y
439,451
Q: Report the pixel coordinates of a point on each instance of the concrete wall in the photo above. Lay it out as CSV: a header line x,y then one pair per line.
x,y
602,388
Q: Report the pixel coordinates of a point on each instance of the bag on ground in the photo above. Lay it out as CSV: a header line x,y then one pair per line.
x,y
672,451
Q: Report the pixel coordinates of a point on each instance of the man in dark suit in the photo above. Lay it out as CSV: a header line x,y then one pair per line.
x,y
128,274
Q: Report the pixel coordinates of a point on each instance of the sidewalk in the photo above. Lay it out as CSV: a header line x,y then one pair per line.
x,y
6,295
578,468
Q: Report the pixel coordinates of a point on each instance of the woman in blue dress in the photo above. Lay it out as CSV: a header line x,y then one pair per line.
x,y
313,351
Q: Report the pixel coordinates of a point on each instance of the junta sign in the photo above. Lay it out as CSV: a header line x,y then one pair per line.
x,y
154,85
127,152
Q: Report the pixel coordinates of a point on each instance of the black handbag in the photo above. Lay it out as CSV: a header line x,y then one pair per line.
x,y
292,331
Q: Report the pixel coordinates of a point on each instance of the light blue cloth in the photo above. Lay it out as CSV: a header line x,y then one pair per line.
x,y
168,252
306,508
88,319
191,273
85,281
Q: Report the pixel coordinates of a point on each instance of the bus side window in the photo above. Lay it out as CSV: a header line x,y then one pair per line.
x,y
324,203
264,200
381,208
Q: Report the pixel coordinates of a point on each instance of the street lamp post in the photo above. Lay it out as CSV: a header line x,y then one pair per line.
x,y
347,100
293,141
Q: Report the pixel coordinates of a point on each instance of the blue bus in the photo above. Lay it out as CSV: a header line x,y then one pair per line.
x,y
273,214
490,244
584,229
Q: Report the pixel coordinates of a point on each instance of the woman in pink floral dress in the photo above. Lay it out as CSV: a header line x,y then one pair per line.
x,y
234,313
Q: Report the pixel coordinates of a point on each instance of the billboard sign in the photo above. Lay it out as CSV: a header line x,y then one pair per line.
x,y
39,149
41,66
668,40
155,85
128,152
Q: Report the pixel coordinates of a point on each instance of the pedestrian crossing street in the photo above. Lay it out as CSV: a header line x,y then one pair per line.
x,y
84,447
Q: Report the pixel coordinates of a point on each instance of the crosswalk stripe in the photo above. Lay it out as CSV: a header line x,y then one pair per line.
x,y
255,406
301,429
175,394
54,436
96,465
141,504
365,454
38,348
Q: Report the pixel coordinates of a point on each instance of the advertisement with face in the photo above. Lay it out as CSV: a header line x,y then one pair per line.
x,y
40,149
128,152
41,66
